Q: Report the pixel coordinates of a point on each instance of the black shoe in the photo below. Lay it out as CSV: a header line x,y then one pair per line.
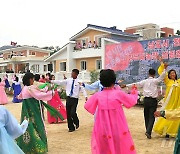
x,y
77,126
71,130
148,136
167,137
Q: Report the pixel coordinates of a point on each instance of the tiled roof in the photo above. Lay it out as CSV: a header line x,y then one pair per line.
x,y
112,30
7,47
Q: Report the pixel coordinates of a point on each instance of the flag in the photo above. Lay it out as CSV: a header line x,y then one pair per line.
x,y
13,43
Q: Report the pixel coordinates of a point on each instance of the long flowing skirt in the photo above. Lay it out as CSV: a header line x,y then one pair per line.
x,y
57,104
17,91
3,96
34,140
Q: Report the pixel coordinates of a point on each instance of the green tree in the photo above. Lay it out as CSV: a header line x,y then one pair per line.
x,y
178,32
94,76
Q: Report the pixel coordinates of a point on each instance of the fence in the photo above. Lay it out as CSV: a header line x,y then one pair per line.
x,y
84,76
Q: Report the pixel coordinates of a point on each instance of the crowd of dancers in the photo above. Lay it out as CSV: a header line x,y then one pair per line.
x,y
110,133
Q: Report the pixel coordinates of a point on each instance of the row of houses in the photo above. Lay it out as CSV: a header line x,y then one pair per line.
x,y
84,51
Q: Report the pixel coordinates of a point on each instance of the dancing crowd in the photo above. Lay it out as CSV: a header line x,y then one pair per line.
x,y
110,133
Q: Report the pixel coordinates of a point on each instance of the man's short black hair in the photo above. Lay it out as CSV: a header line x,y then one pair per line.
x,y
107,77
36,77
75,71
152,72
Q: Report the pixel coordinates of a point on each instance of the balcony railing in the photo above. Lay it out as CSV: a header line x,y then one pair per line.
x,y
87,53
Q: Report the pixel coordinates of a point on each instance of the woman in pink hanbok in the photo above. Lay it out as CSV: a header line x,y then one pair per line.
x,y
110,133
3,96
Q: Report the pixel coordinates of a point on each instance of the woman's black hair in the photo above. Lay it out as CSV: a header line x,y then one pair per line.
x,y
107,77
49,74
0,79
170,72
43,76
26,79
16,79
52,75
36,77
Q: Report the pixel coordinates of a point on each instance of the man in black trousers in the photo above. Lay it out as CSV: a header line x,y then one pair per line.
x,y
150,93
73,89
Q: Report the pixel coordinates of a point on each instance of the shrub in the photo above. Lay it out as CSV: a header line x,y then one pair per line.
x,y
94,76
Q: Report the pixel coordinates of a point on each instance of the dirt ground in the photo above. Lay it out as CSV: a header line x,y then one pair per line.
x,y
60,141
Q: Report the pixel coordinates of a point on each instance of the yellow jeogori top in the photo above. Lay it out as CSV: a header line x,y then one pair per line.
x,y
164,126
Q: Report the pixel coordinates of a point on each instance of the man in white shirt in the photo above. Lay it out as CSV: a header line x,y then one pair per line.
x,y
150,93
72,91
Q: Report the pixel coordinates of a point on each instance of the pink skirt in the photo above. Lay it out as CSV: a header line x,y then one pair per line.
x,y
57,104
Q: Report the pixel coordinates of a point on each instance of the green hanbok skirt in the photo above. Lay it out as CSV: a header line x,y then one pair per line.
x,y
34,140
177,145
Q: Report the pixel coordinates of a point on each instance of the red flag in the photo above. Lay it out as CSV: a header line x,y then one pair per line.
x,y
13,43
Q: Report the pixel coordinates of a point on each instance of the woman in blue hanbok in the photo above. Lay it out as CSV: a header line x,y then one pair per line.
x,y
17,90
10,130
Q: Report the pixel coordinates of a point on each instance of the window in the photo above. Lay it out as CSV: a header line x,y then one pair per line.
x,y
45,68
99,42
98,64
83,41
63,66
37,68
157,35
32,53
83,65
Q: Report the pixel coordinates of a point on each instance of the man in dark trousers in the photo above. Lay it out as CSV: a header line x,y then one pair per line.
x,y
73,89
150,93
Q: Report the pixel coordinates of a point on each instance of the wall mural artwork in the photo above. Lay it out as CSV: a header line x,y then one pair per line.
x,y
132,60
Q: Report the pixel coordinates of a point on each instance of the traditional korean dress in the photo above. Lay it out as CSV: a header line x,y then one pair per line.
x,y
57,104
110,133
172,97
7,85
3,96
34,140
9,130
174,115
17,90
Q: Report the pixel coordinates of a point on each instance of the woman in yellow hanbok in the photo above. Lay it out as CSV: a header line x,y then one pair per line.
x,y
171,101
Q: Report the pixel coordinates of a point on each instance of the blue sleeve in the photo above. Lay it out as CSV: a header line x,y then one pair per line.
x,y
93,86
12,126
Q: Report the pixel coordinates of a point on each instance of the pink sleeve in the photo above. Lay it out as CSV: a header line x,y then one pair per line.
x,y
128,100
2,83
39,95
91,104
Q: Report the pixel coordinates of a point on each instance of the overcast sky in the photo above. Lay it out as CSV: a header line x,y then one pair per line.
x,y
53,22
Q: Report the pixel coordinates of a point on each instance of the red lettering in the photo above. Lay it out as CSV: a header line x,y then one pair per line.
x,y
151,45
154,55
165,55
148,56
177,53
176,42
158,44
165,43
172,54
